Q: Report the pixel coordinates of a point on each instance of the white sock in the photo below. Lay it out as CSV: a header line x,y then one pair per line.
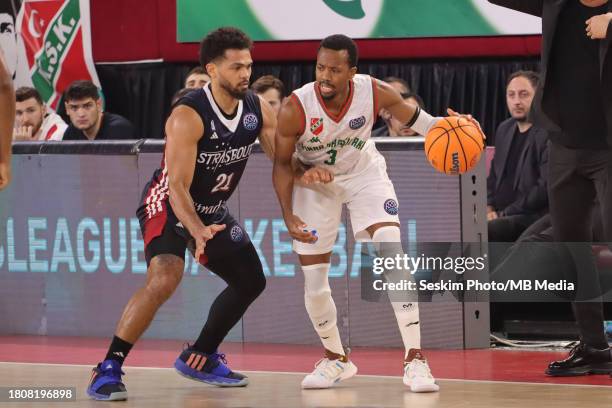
x,y
406,313
321,307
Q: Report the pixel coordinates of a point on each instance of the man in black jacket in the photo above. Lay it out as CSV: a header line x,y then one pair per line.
x,y
574,104
516,186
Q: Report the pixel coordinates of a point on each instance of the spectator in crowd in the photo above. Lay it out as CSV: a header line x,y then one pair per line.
x,y
7,118
8,35
197,78
517,182
394,127
33,120
271,89
399,84
88,121
178,95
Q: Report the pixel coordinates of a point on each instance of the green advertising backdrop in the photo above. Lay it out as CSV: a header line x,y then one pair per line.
x,y
314,19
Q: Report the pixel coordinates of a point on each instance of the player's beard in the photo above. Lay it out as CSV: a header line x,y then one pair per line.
x,y
328,97
236,92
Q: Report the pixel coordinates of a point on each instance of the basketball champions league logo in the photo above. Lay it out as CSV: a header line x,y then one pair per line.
x,y
236,233
250,121
391,207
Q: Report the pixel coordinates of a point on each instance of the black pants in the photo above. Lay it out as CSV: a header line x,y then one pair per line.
x,y
578,179
510,227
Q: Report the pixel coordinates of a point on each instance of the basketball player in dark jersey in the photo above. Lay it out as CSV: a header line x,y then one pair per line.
x,y
209,137
7,118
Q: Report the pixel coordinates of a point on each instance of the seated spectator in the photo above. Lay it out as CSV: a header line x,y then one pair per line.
x,y
399,84
197,78
271,89
178,95
33,120
401,87
394,127
517,182
87,119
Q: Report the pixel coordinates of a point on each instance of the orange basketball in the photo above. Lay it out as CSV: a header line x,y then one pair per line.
x,y
453,145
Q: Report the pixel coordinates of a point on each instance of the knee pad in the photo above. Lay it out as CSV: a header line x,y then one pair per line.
x,y
317,297
388,241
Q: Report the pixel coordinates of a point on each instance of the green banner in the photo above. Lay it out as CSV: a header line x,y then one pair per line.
x,y
314,19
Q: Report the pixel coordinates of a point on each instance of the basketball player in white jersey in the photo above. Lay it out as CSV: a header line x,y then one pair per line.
x,y
327,124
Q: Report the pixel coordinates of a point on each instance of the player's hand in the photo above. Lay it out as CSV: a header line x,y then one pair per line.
x,y
492,215
316,175
5,174
204,235
296,228
597,26
23,133
469,118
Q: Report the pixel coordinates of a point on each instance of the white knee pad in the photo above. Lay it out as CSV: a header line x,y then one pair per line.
x,y
317,297
387,241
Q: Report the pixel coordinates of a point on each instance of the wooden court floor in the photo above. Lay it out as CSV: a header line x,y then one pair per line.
x,y
162,387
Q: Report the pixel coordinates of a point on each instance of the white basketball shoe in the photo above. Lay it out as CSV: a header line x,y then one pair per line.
x,y
417,374
329,371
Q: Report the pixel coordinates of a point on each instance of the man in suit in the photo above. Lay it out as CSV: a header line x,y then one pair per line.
x,y
516,186
574,104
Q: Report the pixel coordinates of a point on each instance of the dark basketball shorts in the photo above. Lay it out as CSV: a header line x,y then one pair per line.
x,y
164,234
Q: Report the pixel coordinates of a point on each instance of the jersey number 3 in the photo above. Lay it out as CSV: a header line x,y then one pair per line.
x,y
223,182
332,157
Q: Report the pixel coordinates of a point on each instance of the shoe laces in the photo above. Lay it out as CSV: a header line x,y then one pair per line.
x,y
328,368
418,368
218,356
577,348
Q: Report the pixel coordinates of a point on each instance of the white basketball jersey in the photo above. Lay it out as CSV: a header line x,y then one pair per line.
x,y
337,143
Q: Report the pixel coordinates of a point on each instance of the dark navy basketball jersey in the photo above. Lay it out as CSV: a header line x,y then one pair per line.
x,y
222,154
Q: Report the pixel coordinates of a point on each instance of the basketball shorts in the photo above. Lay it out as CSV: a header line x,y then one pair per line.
x,y
164,234
369,197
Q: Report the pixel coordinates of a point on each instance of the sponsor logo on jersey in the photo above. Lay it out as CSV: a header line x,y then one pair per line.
x,y
250,121
214,136
236,233
208,209
355,142
314,140
225,157
357,122
391,207
316,126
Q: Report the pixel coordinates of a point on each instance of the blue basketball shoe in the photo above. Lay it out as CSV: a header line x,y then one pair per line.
x,y
208,368
105,383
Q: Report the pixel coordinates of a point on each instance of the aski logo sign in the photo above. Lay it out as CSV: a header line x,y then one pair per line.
x,y
57,39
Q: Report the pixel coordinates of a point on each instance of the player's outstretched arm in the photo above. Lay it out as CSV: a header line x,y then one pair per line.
x,y
288,130
268,130
183,131
406,112
412,115
7,118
